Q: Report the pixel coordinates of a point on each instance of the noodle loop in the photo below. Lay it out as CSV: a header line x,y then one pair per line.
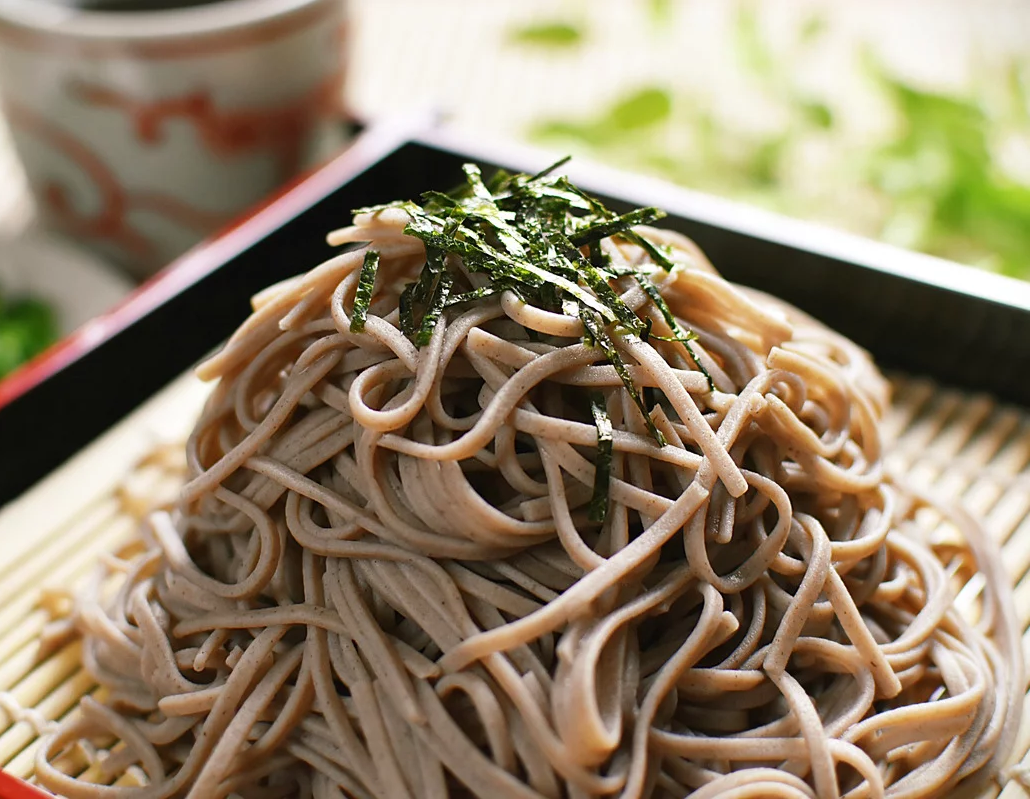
x,y
399,570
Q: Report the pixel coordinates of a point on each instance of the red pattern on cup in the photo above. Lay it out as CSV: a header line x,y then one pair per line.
x,y
225,132
103,117
108,222
281,131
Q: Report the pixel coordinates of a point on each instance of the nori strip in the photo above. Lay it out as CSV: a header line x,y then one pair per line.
x,y
603,463
363,296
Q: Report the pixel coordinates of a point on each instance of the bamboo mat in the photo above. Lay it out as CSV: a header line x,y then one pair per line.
x,y
964,446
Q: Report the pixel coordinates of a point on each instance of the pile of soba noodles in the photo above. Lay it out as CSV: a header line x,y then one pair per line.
x,y
517,497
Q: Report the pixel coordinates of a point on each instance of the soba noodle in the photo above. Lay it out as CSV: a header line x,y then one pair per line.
x,y
382,579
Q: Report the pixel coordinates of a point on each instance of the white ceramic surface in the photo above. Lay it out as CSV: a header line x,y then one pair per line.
x,y
77,285
143,132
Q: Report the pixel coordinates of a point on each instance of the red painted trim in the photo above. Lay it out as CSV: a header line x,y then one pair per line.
x,y
213,43
109,222
269,215
281,129
12,787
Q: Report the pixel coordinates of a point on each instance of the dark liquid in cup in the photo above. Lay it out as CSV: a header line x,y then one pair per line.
x,y
133,5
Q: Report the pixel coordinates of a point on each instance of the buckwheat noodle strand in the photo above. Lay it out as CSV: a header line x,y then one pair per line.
x,y
382,579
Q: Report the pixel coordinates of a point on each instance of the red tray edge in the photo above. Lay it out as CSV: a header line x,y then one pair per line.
x,y
370,146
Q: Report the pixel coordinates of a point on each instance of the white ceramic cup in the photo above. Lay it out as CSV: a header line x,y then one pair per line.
x,y
142,132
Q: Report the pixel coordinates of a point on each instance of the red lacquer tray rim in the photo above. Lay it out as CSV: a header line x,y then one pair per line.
x,y
12,787
366,149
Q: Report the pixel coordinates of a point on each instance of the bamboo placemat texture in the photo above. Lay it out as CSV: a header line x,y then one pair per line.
x,y
966,447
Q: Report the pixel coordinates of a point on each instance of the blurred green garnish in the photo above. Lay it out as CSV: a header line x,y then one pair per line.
x,y
750,44
554,34
661,11
934,182
27,327
640,109
941,176
812,28
637,111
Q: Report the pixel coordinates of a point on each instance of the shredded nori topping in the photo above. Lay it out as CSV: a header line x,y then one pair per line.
x,y
539,237
363,298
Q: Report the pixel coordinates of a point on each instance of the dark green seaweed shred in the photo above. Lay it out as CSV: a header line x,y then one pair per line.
x,y
407,311
537,236
598,282
606,228
599,337
656,253
547,170
363,297
482,293
502,177
600,259
438,200
684,337
603,463
412,209
435,306
700,366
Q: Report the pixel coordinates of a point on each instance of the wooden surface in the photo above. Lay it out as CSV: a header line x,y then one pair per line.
x,y
50,540
964,446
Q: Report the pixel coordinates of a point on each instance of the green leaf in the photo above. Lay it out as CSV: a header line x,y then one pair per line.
x,y
751,47
27,327
763,166
660,12
586,133
644,108
940,171
639,111
556,34
817,114
813,29
12,350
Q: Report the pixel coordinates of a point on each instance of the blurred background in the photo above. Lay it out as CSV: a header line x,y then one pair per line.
x,y
907,122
